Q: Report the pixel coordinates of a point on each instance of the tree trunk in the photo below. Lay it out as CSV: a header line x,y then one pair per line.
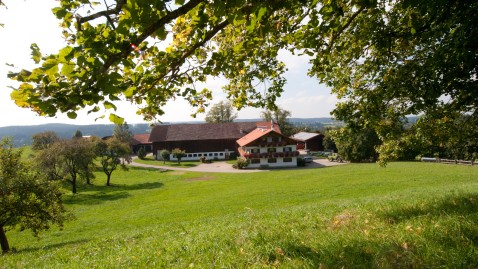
x,y
4,241
108,177
73,182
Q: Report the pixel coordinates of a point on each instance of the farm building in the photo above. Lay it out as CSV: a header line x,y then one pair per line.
x,y
211,140
309,141
141,141
266,147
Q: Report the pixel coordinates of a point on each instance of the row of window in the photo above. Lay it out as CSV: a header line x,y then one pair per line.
x,y
215,154
272,160
258,150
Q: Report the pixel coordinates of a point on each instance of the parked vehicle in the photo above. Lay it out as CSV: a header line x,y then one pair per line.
x,y
308,159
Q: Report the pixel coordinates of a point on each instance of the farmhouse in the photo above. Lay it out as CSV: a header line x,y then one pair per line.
x,y
267,147
211,140
310,141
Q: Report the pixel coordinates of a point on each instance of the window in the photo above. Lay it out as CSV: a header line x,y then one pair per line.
x,y
269,139
271,150
195,155
255,160
190,155
272,160
287,149
210,154
255,150
288,160
215,154
221,154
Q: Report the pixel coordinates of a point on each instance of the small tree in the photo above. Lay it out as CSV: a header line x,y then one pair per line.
x,y
74,157
26,200
141,153
110,153
165,155
178,154
78,134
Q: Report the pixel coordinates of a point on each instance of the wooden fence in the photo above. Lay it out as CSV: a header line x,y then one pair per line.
x,y
447,161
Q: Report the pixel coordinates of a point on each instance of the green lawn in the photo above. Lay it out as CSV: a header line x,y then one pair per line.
x,y
151,161
408,215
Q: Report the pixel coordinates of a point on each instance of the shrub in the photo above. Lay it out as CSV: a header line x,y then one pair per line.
x,y
202,159
164,155
141,153
241,163
232,156
300,162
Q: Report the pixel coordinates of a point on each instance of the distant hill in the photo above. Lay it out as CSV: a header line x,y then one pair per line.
x,y
22,134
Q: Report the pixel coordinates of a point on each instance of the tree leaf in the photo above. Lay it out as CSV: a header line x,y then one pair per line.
x,y
116,119
72,115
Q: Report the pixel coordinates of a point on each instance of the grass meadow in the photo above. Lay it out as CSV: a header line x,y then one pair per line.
x,y
407,215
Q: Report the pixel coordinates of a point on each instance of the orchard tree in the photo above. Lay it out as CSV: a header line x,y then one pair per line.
x,y
27,200
221,112
44,140
165,155
110,153
178,154
384,59
74,159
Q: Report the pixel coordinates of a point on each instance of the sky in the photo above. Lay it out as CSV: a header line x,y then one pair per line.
x,y
31,21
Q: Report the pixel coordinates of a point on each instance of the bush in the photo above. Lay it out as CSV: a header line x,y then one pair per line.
x,y
300,162
164,154
232,156
241,163
141,153
202,159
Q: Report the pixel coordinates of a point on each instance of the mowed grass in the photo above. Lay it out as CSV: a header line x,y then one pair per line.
x,y
408,215
151,161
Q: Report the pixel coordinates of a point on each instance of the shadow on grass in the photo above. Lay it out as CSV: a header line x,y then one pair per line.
x,y
49,247
457,205
95,198
99,194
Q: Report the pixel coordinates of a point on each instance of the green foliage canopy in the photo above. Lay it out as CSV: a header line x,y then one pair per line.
x,y
27,200
385,59
221,112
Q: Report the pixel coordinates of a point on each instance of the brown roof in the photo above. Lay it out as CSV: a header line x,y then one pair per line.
x,y
140,139
203,131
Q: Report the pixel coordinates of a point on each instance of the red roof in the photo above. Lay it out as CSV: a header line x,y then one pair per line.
x,y
258,133
140,139
252,136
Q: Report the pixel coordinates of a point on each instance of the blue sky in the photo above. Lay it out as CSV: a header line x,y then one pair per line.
x,y
31,21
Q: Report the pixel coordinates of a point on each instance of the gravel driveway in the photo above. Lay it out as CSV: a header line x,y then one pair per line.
x,y
223,167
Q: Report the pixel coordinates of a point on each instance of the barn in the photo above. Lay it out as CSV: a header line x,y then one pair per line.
x,y
309,141
211,140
